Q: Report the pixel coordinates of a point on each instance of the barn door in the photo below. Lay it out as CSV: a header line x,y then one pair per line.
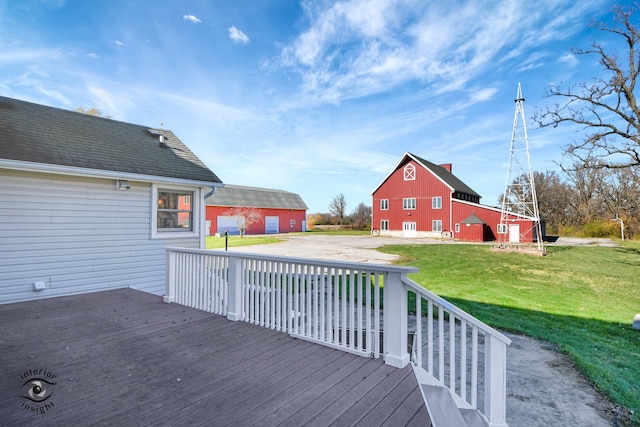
x,y
409,229
514,233
271,225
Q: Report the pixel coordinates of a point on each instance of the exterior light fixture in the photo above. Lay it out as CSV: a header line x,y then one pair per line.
x,y
122,184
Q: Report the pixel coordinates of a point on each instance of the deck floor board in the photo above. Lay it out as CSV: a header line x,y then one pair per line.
x,y
124,357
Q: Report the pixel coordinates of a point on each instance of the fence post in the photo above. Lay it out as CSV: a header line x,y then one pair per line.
x,y
395,321
495,387
170,277
234,310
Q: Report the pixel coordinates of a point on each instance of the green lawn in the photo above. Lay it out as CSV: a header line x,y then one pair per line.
x,y
583,299
214,242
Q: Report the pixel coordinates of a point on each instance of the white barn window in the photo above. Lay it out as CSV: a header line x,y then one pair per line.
x,y
409,172
409,204
384,224
436,225
436,203
384,204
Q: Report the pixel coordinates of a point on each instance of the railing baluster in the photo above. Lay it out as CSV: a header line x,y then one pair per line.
x,y
452,352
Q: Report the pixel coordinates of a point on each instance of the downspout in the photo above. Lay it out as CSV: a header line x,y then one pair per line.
x,y
203,215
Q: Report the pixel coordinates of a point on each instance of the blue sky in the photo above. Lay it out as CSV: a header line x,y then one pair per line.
x,y
314,97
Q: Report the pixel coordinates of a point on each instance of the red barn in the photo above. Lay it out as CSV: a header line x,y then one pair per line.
x,y
279,211
422,199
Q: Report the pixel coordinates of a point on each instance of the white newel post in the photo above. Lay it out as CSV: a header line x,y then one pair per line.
x,y
234,309
170,291
395,321
495,381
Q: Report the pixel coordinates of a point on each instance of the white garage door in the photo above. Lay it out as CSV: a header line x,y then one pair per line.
x,y
271,224
227,223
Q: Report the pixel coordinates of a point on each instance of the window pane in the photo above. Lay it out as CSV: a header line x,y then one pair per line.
x,y
175,211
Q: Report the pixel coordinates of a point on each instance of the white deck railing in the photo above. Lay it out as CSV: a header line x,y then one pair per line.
x,y
342,305
460,352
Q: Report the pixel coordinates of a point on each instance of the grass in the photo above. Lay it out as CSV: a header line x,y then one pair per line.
x,y
582,299
214,242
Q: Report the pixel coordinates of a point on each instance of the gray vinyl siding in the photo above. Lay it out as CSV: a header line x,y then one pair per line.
x,y
77,235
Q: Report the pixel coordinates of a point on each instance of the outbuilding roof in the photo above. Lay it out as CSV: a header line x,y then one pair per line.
x,y
254,197
45,135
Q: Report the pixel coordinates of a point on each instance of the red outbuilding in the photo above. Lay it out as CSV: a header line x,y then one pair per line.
x,y
277,211
422,199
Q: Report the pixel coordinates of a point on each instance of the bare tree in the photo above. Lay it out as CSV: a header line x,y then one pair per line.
x,y
245,217
361,217
606,106
338,207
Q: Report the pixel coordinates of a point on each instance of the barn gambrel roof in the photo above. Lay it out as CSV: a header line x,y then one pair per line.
x,y
254,197
71,142
441,173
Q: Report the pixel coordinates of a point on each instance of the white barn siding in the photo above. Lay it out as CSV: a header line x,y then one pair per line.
x,y
77,235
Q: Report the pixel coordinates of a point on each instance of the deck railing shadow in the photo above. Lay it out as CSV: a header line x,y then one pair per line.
x,y
365,309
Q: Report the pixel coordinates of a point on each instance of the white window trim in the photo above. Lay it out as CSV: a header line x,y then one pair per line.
x,y
384,204
409,172
384,222
195,207
435,205
434,222
503,228
404,204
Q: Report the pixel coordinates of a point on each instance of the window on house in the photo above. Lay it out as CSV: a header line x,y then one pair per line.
x,y
502,228
175,211
384,204
409,172
457,228
384,224
436,225
436,203
409,204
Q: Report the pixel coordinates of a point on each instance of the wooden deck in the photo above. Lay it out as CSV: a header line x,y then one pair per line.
x,y
124,357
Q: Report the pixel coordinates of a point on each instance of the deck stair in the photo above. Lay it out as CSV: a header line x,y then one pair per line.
x,y
445,413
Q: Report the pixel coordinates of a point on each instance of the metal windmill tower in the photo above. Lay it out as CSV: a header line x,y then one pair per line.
x,y
520,191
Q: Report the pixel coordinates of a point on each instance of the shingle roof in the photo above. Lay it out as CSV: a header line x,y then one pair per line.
x,y
472,219
449,178
236,195
40,134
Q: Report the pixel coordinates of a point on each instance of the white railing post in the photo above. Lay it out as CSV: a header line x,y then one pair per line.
x,y
495,381
170,285
234,311
395,321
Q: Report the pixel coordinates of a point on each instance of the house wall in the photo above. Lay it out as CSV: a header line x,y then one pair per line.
x,y
423,188
284,223
77,235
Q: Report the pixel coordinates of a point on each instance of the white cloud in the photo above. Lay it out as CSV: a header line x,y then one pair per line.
x,y
569,59
357,48
93,55
192,18
238,36
118,43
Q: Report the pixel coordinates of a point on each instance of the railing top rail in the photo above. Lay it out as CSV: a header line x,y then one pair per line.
x,y
298,260
457,311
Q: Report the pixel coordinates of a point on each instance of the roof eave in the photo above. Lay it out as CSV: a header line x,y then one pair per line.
x,y
97,173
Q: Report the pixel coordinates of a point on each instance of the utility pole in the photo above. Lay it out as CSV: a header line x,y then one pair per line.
x,y
520,192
